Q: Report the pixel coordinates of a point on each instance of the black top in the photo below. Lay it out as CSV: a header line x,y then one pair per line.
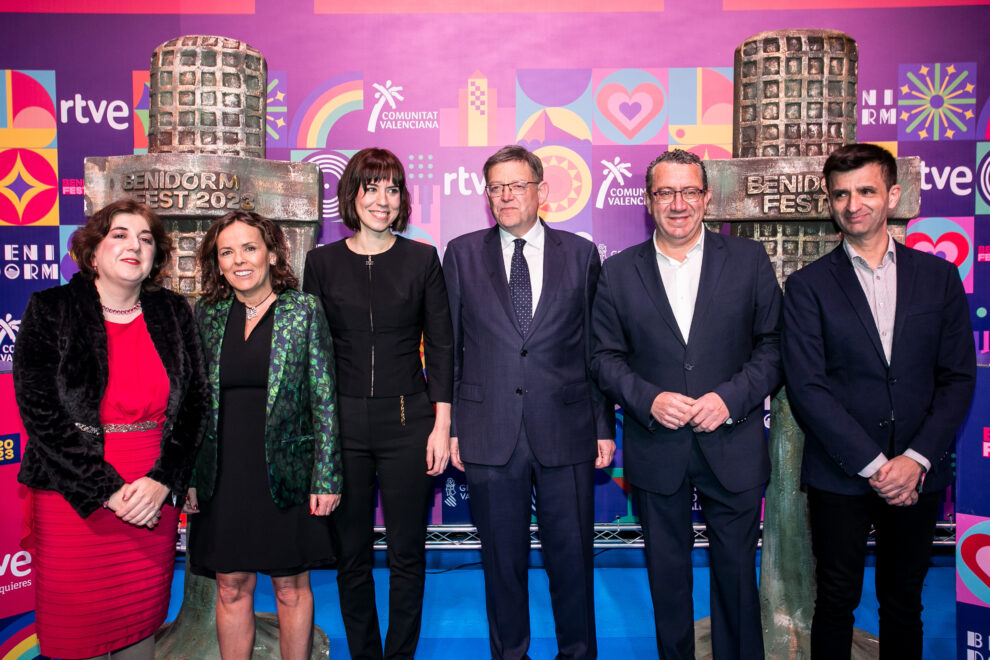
x,y
378,308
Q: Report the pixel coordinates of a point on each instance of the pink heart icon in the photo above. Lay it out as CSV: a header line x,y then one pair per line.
x,y
951,246
630,111
975,553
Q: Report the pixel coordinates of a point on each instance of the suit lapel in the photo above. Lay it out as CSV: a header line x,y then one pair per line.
x,y
495,265
842,270
281,333
905,290
713,259
649,273
553,266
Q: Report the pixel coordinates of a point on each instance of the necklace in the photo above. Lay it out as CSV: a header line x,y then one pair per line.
x,y
252,310
122,312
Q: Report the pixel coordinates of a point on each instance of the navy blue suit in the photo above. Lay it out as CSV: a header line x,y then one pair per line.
x,y
528,416
733,350
852,406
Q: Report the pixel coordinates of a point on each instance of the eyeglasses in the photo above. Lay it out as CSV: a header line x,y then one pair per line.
x,y
666,195
516,188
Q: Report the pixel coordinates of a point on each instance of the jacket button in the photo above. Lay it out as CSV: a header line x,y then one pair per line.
x,y
523,352
519,390
883,423
688,366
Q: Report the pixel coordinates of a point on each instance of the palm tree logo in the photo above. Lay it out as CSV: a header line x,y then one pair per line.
x,y
613,171
385,94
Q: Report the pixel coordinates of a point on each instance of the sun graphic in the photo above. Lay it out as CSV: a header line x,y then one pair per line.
x,y
569,180
937,102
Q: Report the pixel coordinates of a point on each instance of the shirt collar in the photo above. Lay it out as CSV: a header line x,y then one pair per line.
x,y
855,257
534,237
695,249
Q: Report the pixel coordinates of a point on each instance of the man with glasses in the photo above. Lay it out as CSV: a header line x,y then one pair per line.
x,y
528,425
686,332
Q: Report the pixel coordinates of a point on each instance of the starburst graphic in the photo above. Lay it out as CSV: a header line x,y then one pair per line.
x,y
936,101
276,110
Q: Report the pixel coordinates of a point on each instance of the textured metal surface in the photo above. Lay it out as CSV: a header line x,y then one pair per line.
x,y
750,189
208,95
795,93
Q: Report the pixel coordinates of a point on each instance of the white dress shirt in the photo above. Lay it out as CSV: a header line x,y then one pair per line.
x,y
880,287
532,252
680,281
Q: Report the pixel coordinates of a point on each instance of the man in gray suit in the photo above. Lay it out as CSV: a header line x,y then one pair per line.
x,y
528,422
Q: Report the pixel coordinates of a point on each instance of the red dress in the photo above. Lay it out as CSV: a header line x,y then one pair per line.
x,y
102,583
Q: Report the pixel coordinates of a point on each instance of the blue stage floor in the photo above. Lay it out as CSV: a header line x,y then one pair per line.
x,y
455,626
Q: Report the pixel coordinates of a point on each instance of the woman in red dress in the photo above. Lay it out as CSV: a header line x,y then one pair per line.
x,y
109,382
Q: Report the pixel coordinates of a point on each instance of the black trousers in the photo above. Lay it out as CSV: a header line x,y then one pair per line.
x,y
501,506
733,521
840,525
376,445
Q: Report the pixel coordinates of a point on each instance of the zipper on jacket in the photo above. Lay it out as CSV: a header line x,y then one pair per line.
x,y
371,322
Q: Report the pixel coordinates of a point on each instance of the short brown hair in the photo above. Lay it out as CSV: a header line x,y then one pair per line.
x,y
215,286
514,153
364,168
854,156
86,239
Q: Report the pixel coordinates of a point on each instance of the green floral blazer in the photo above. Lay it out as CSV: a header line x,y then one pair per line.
x,y
301,444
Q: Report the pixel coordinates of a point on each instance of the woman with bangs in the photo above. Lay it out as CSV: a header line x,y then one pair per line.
x,y
382,294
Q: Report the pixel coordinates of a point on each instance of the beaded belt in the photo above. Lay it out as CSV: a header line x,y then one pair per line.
x,y
146,425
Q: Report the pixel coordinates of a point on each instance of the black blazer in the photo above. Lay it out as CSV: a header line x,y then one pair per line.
x,y
843,392
377,322
733,350
60,376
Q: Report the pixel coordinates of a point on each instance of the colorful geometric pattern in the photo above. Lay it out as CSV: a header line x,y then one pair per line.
x,y
936,101
28,187
18,639
141,98
981,178
973,560
700,109
488,6
569,180
277,110
324,106
27,109
948,238
630,106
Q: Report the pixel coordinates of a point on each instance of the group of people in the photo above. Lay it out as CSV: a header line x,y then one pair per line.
x,y
266,400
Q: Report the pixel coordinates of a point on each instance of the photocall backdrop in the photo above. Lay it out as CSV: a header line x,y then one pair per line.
x,y
597,90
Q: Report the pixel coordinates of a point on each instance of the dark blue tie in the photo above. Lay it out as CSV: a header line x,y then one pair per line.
x,y
520,288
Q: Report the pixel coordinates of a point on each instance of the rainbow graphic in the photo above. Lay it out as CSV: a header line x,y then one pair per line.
x,y
18,640
27,109
323,107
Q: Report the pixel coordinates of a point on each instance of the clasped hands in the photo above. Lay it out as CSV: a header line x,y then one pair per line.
x,y
139,503
897,481
674,411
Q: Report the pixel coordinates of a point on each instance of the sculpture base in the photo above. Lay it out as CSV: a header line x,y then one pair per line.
x,y
865,645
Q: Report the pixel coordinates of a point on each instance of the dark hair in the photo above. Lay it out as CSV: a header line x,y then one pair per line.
x,y
215,286
364,168
513,153
679,157
854,156
86,239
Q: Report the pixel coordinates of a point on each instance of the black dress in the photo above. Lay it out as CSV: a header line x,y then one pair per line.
x,y
240,528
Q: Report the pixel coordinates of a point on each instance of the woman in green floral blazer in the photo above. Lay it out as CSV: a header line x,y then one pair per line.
x,y
271,444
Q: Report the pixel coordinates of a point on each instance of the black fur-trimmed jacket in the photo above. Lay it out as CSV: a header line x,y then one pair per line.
x,y
60,376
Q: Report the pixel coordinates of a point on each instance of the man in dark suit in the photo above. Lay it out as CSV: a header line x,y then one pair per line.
x,y
687,342
528,422
880,365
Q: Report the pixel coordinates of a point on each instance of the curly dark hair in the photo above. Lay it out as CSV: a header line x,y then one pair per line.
x,y
86,239
678,157
214,285
366,167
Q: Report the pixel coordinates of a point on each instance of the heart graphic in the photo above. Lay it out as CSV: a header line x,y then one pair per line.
x,y
630,111
951,246
975,553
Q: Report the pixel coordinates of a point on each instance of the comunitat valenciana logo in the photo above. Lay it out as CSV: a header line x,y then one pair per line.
x,y
8,333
